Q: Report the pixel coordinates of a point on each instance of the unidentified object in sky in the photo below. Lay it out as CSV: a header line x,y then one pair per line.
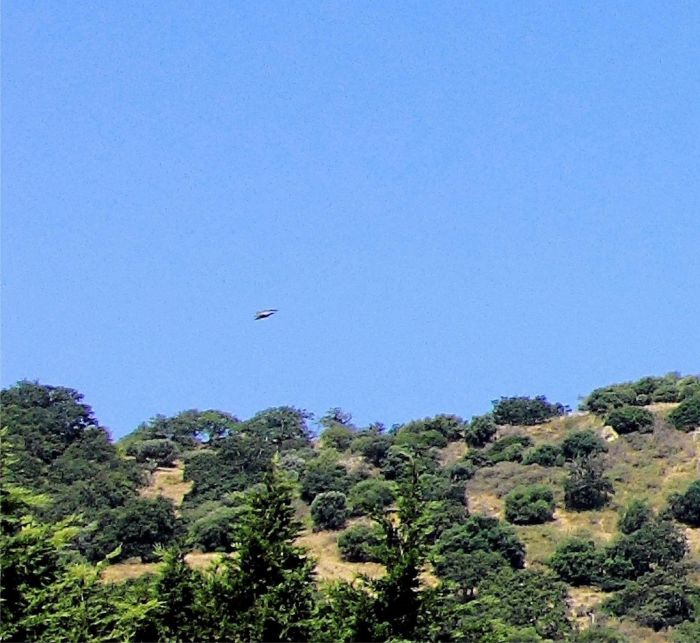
x,y
264,314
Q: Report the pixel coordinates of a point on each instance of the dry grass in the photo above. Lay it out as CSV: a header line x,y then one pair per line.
x,y
322,545
453,452
168,482
121,572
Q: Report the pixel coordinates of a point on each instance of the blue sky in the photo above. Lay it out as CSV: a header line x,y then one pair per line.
x,y
447,201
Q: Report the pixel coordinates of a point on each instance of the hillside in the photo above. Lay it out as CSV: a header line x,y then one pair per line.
x,y
591,513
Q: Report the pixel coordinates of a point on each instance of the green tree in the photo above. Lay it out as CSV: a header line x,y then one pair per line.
x,y
267,592
637,514
582,444
525,410
529,505
360,544
629,419
577,562
323,474
586,487
369,496
661,598
685,507
546,455
686,416
329,510
480,430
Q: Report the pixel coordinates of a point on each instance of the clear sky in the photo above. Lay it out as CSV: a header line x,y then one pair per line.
x,y
447,201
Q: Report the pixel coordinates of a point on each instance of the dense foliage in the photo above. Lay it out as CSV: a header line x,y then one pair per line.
x,y
72,504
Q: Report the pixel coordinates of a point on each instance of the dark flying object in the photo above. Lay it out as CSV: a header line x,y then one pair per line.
x,y
264,314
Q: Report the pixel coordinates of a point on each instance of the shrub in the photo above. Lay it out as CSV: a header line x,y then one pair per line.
x,y
329,510
508,449
529,505
370,496
480,430
629,419
686,507
360,544
546,455
525,410
582,444
586,488
686,416
637,514
576,562
604,399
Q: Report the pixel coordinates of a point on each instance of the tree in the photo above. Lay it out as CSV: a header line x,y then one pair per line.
x,y
370,496
586,487
323,474
529,505
160,452
481,533
577,562
329,510
216,530
360,544
373,445
659,599
637,514
508,449
143,524
656,543
480,430
686,507
546,455
629,419
525,410
266,593
686,416
582,444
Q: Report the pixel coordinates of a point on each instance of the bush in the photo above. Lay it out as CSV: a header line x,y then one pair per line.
x,y
586,488
360,544
480,431
686,416
529,505
686,507
582,444
508,449
449,427
525,410
629,419
576,562
637,514
421,440
546,455
329,510
369,496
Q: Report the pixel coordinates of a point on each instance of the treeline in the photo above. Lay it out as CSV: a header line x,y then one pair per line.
x,y
71,504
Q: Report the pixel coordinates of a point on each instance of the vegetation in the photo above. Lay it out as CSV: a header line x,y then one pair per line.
x,y
530,505
425,558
